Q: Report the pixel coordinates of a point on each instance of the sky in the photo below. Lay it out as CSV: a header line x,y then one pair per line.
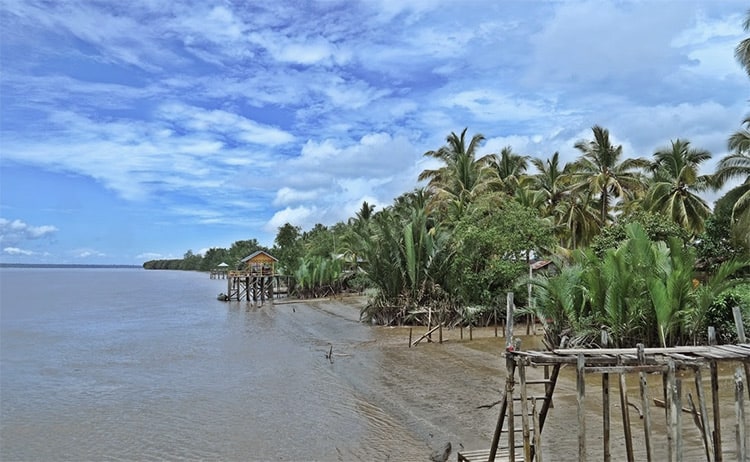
x,y
139,130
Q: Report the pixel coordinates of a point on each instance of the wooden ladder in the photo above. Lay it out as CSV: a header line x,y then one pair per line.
x,y
517,402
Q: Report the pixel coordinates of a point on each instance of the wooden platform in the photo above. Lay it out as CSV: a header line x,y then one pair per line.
x,y
482,455
623,361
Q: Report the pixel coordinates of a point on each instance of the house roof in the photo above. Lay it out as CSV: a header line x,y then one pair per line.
x,y
255,254
222,265
540,264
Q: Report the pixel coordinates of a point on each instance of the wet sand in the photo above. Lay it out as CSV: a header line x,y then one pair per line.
x,y
435,391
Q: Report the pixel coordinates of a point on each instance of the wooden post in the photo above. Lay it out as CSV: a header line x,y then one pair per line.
x,y
461,331
626,418
537,432
739,408
524,411
646,415
718,457
741,337
509,320
471,336
670,410
410,332
605,404
506,410
678,418
705,427
581,389
440,334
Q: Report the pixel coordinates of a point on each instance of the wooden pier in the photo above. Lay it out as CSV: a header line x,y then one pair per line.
x,y
674,364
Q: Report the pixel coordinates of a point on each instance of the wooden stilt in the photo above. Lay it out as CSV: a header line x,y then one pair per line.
x,y
704,424
673,412
605,416
626,418
524,411
645,402
740,326
537,432
581,389
677,400
739,408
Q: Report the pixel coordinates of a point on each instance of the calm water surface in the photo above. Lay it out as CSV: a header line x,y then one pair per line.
x,y
128,364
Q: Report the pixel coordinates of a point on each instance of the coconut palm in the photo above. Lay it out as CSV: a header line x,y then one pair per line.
x,y
599,172
675,185
462,177
742,51
550,181
737,165
510,168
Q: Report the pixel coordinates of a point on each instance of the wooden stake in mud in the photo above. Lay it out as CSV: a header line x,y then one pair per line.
x,y
410,332
440,334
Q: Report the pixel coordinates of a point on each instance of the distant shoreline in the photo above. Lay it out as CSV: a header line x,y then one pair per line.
x,y
63,265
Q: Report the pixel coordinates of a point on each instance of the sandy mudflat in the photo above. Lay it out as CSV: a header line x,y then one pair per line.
x,y
435,390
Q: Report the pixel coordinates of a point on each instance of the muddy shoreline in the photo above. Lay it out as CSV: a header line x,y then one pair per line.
x,y
436,391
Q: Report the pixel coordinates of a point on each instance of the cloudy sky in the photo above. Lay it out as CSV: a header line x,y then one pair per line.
x,y
141,129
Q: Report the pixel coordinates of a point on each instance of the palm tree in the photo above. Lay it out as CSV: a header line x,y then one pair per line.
x,y
742,51
599,171
737,165
676,183
463,176
510,168
550,181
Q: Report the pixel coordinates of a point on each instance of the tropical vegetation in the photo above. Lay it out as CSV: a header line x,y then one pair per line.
x,y
637,249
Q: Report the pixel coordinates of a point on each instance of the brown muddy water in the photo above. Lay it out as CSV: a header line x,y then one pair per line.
x,y
147,365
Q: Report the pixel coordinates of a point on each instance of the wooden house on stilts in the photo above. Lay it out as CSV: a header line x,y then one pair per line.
x,y
255,280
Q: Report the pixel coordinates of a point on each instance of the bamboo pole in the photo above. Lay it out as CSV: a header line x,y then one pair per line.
x,y
581,389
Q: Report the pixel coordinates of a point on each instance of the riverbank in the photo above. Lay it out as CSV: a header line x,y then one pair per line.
x,y
440,392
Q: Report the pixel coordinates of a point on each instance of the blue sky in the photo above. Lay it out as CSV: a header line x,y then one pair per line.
x,y
138,130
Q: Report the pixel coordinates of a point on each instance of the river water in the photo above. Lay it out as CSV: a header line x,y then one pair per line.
x,y
129,364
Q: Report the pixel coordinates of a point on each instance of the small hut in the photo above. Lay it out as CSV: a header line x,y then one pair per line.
x,y
259,263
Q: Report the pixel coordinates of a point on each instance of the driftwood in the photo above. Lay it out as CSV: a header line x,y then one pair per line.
x,y
660,403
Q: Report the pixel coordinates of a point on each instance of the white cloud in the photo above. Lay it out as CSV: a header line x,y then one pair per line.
x,y
16,251
16,231
87,253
